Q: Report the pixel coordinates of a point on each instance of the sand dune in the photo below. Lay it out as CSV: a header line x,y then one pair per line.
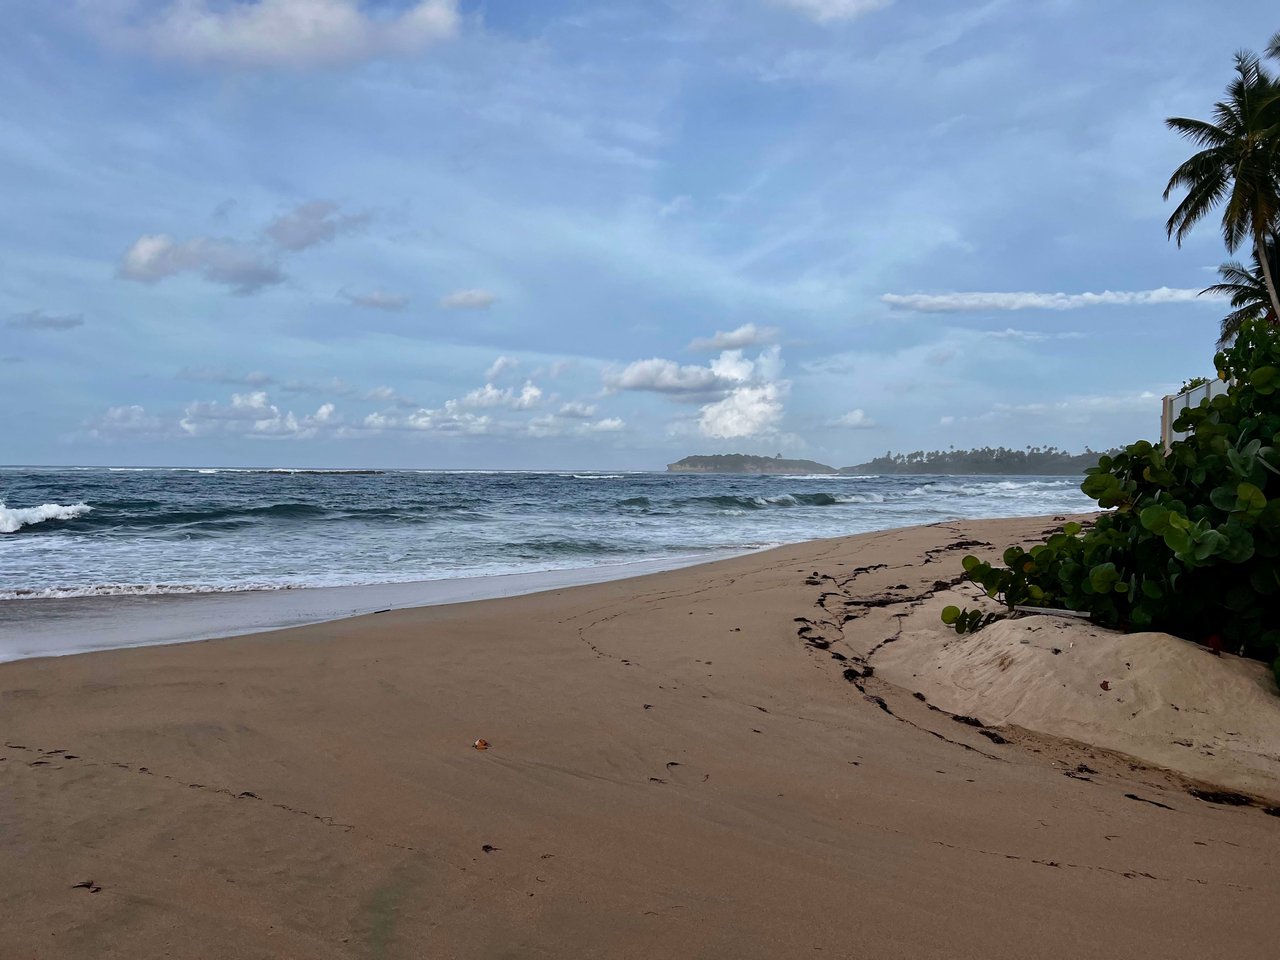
x,y
1158,698
690,764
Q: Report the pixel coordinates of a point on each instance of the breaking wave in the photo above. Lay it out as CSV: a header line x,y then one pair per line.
x,y
13,519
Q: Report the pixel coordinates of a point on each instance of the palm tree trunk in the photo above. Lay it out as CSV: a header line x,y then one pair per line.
x,y
1261,241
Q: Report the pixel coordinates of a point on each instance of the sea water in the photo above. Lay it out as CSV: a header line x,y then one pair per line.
x,y
93,558
74,532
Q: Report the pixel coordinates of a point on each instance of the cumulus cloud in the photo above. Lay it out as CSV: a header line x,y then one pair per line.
x,y
155,257
824,11
972,302
664,376
493,412
747,335
745,412
854,420
525,398
291,34
254,415
742,396
578,410
39,320
254,378
449,422
376,300
130,420
310,224
468,300
500,366
245,268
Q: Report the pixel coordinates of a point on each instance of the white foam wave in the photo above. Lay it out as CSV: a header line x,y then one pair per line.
x,y
14,519
134,590
597,476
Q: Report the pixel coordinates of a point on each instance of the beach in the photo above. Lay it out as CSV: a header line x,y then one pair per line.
x,y
737,759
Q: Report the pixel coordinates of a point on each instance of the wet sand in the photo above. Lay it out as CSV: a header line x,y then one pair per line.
x,y
694,763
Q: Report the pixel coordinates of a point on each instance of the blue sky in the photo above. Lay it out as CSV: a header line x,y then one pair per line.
x,y
585,234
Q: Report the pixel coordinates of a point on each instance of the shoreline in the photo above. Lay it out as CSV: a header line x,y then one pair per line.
x,y
66,626
682,764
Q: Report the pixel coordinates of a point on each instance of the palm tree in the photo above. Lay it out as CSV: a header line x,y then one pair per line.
x,y
1239,164
1247,291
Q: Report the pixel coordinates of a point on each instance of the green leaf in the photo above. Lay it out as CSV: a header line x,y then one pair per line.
x,y
1265,379
1250,498
1224,498
950,614
1103,577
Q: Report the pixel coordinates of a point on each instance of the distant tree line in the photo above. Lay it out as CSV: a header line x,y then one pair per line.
x,y
984,460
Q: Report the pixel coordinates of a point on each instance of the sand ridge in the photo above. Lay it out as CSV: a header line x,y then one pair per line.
x,y
676,769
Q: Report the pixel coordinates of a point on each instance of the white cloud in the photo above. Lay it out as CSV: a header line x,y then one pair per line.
x,y
468,300
500,366
312,223
155,257
376,299
971,302
664,376
39,320
453,422
745,412
254,415
732,366
824,11
296,34
748,392
578,410
854,420
748,335
130,420
607,425
525,398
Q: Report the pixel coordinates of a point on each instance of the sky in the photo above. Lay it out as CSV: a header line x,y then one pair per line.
x,y
570,233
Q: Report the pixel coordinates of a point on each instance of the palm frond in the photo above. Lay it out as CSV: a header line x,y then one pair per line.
x,y
1199,131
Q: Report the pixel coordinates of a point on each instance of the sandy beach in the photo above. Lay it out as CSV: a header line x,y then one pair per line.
x,y
754,758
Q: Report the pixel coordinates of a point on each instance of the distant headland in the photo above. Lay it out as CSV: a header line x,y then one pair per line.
x,y
1033,461
744,463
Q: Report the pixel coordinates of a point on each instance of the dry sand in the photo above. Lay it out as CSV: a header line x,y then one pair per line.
x,y
679,767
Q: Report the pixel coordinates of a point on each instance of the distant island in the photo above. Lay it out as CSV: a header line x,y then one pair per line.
x,y
1036,461
743,463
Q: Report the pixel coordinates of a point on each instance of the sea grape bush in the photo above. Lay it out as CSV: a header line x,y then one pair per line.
x,y
1190,544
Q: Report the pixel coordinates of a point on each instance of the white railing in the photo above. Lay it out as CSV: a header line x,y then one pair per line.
x,y
1173,407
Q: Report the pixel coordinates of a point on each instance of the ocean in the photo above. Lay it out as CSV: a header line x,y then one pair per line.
x,y
101,532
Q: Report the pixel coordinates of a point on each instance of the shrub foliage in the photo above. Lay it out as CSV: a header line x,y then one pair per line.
x,y
1190,544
